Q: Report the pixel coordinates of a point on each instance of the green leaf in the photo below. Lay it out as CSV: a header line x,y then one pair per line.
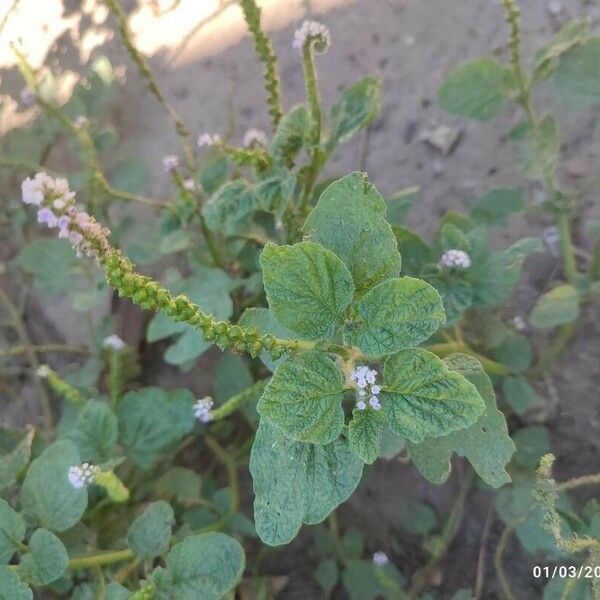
x,y
95,432
15,459
295,482
364,433
205,566
399,203
12,531
514,351
519,394
150,420
457,296
115,591
150,534
304,398
307,287
232,376
415,252
571,34
265,322
349,220
364,581
47,495
539,151
532,443
214,173
559,305
327,574
497,205
577,75
290,133
477,90
397,313
357,107
229,211
422,398
188,347
46,560
486,444
418,518
11,587
179,483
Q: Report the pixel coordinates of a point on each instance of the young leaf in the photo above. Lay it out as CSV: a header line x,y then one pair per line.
x,y
11,587
152,419
514,351
150,534
519,394
349,220
414,251
559,305
205,566
577,75
457,296
539,150
357,107
477,90
397,313
327,574
304,398
486,443
12,531
365,581
364,433
46,560
47,495
532,443
95,432
115,591
497,205
307,287
422,398
295,482
289,135
230,209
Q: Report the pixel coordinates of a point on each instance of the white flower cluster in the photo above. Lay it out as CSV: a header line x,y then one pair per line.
x,y
255,136
189,184
170,162
202,409
312,30
57,209
81,121
455,259
82,475
43,371
380,559
367,388
208,139
113,342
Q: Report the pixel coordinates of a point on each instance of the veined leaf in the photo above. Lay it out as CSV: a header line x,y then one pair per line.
x,y
46,560
364,433
304,398
559,305
307,287
12,531
422,398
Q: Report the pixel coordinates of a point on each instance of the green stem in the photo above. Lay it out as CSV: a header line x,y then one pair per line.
x,y
114,378
100,560
229,463
238,400
559,343
566,247
61,348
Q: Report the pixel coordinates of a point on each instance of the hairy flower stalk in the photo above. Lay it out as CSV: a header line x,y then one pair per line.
x,y
62,388
89,237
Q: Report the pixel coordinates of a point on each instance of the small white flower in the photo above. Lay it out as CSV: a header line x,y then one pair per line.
x,y
170,162
374,402
28,96
189,184
255,136
81,121
82,475
380,559
312,30
455,259
208,139
202,409
113,342
361,405
519,323
375,389
43,371
365,379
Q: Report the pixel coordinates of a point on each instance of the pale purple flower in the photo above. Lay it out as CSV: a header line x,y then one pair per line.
x,y
380,559
45,215
365,379
189,184
255,136
312,30
113,342
28,96
208,139
170,163
83,475
361,405
202,409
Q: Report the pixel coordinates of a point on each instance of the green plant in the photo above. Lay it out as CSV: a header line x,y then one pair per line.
x,y
346,338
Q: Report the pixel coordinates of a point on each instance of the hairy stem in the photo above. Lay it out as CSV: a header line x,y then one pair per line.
x,y
238,400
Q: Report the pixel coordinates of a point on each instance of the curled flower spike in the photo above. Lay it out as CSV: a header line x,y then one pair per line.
x,y
113,342
57,209
380,559
311,31
170,162
83,475
255,136
208,139
28,96
202,409
365,382
455,259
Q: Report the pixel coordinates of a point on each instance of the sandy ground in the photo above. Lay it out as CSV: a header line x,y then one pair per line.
x,y
213,77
